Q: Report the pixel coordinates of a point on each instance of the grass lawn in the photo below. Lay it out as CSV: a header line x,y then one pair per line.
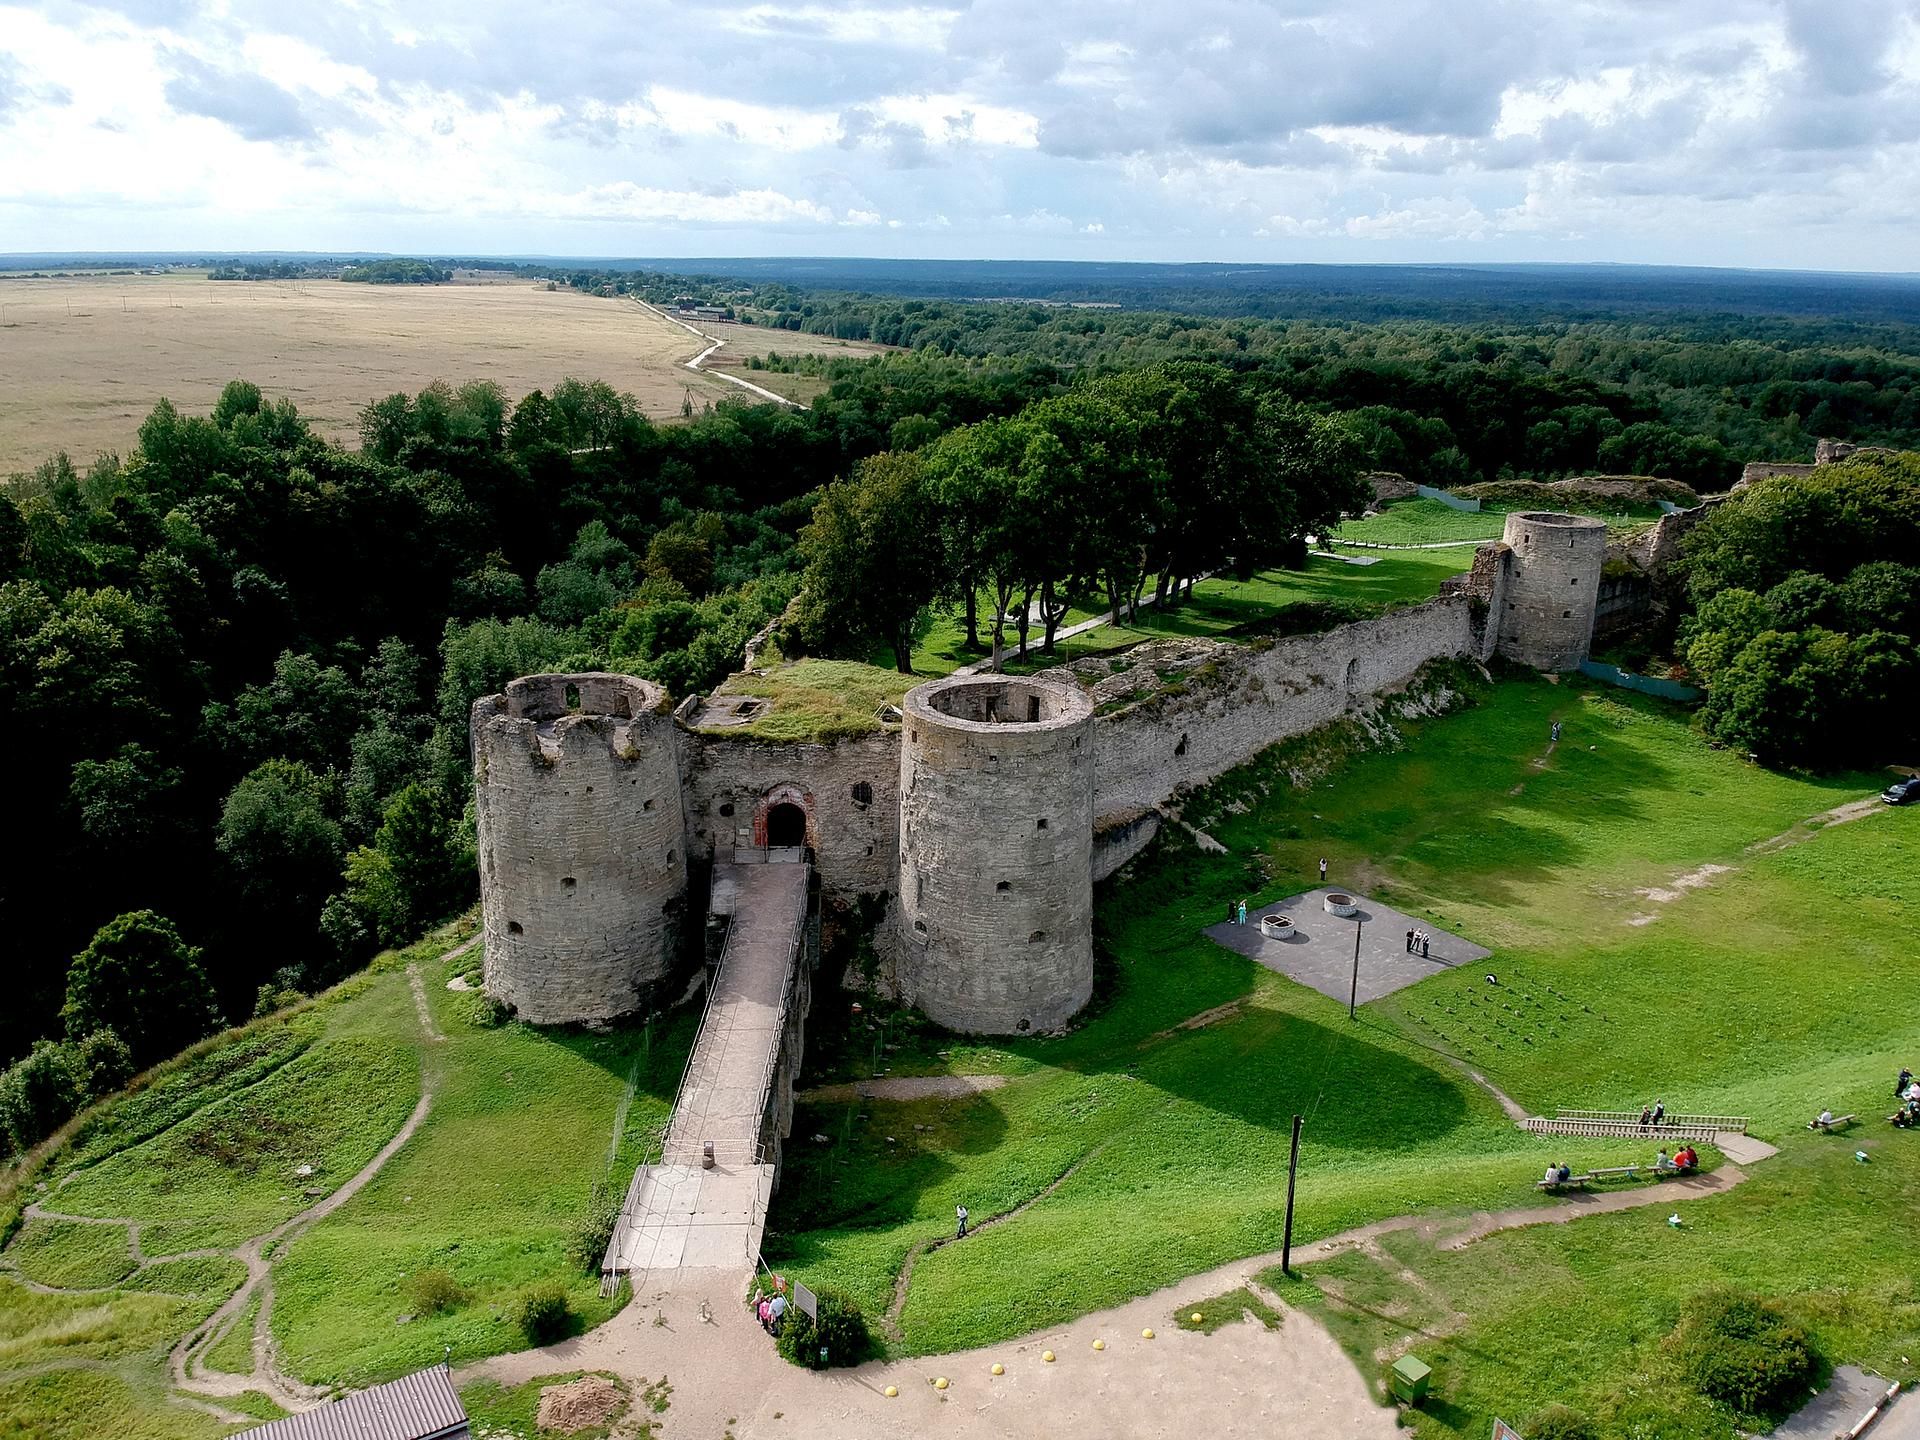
x,y
489,1188
1220,606
1430,522
1172,1145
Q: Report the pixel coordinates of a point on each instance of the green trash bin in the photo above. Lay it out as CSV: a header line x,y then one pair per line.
x,y
1411,1377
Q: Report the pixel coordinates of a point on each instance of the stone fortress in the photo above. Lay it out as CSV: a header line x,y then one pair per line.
x,y
975,820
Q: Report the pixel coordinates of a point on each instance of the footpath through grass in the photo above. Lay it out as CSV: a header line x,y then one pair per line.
x,y
211,1154
1173,1145
1432,522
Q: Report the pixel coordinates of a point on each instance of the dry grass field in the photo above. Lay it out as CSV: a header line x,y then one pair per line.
x,y
83,359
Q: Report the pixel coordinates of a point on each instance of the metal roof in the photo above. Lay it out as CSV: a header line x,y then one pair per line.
x,y
421,1406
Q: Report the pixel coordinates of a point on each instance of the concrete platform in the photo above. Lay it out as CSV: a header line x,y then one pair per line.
x,y
687,1217
1320,954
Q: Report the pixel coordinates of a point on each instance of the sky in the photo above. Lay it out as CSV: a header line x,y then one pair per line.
x,y
1768,133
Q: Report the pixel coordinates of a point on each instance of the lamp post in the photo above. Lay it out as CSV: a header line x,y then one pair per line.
x,y
1293,1168
1353,995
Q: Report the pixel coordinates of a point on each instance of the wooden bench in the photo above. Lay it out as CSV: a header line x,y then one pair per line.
x,y
1838,1122
1619,1172
1567,1184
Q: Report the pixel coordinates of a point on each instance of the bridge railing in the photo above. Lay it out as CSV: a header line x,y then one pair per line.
x,y
1668,1120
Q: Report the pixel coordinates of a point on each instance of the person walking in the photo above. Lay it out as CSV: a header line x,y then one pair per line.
x,y
1426,941
1243,913
1659,1111
1409,940
1555,732
1323,869
960,1215
1646,1114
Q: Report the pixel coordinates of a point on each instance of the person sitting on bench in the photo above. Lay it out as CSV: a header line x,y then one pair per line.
x,y
1687,1159
1826,1119
1552,1177
1661,1162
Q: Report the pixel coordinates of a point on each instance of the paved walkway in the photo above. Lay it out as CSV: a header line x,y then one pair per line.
x,y
693,1329
680,1212
1320,952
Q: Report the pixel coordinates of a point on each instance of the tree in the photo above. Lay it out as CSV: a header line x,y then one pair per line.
x,y
279,835
140,980
873,559
417,837
38,1093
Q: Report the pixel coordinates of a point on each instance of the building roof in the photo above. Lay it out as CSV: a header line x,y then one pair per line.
x,y
421,1406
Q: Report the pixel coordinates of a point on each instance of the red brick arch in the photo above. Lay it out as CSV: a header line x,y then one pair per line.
x,y
782,795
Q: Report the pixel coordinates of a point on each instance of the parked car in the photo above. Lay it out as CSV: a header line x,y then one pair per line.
x,y
1902,792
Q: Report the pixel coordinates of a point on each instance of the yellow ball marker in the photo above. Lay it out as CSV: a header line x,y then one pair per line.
x,y
1146,1334
999,1369
941,1383
1047,1355
1196,1317
1099,1344
892,1392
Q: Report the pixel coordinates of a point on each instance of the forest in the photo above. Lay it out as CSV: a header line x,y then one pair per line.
x,y
241,657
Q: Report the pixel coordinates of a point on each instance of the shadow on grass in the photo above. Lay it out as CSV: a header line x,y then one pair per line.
x,y
1268,1065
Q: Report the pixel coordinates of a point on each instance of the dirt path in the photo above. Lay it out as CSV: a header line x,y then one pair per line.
x,y
1241,1380
698,362
904,1087
891,1322
1812,826
199,1386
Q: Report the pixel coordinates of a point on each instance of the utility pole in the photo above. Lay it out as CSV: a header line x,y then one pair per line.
x,y
1293,1168
1353,995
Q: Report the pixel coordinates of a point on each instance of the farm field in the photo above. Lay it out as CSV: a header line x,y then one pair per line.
x,y
83,359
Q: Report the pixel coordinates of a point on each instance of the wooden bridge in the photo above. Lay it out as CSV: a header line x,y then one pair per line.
x,y
1626,1124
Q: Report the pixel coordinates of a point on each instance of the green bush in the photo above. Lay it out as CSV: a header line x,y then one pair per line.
x,y
434,1291
1744,1352
592,1233
542,1312
1561,1422
841,1330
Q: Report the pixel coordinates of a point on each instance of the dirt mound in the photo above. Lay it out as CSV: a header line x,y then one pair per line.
x,y
590,1400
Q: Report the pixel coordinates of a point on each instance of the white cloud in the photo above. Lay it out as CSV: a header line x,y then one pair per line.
x,y
1781,132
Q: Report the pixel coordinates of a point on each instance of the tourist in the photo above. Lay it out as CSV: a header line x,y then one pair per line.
x,y
1661,1162
1552,1177
960,1214
1243,913
776,1309
1409,940
1646,1114
1900,1085
1688,1159
1566,1172
1659,1111
1425,941
1556,732
1826,1119
1323,869
764,1311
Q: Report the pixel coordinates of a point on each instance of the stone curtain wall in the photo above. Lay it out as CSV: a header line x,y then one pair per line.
x,y
1255,698
854,831
995,912
582,841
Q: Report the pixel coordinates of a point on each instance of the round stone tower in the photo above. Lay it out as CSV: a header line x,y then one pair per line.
x,y
1552,588
582,838
996,852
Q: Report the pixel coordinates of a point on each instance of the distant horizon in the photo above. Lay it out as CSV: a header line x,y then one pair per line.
x,y
80,255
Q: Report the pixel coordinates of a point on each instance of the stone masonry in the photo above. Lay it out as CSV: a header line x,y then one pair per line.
x,y
996,852
1553,588
582,840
